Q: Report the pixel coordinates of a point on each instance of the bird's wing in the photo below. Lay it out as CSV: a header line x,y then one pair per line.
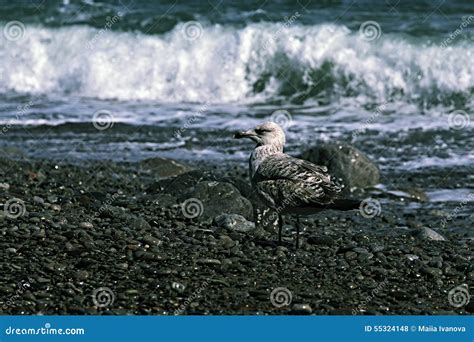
x,y
282,178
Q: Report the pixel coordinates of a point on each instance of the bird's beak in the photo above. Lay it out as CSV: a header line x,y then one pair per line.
x,y
246,134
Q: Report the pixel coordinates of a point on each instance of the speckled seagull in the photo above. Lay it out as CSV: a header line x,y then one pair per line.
x,y
286,184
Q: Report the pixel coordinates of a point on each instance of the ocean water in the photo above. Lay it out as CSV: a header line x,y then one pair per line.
x,y
127,80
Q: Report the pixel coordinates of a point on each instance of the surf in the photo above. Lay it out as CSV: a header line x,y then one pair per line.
x,y
252,64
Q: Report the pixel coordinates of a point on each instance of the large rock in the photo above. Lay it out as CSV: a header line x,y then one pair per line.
x,y
345,162
234,222
163,167
202,195
425,233
211,198
176,186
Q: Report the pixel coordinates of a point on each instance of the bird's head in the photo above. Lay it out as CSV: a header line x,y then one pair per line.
x,y
268,133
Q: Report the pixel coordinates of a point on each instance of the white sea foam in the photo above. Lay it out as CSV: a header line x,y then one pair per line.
x,y
226,64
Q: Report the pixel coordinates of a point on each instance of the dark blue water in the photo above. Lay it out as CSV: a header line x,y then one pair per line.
x,y
126,80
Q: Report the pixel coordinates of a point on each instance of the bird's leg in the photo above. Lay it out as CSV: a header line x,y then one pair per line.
x,y
297,231
257,216
280,226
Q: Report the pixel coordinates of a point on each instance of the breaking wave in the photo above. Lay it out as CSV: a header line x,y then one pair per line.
x,y
255,63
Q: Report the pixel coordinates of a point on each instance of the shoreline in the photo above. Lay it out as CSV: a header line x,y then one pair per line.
x,y
120,227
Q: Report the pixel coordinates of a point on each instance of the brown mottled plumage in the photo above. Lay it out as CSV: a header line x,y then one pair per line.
x,y
286,184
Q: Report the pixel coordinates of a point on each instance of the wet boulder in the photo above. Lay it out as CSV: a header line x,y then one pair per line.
x,y
209,199
345,162
179,184
425,233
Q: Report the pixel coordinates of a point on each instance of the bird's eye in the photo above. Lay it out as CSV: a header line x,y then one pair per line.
x,y
259,131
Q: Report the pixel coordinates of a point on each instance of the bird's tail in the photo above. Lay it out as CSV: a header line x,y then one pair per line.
x,y
344,204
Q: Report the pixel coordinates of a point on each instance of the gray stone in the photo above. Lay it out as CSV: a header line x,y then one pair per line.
x,y
208,261
234,222
226,242
345,162
86,225
412,257
302,309
425,233
215,198
178,287
38,200
56,208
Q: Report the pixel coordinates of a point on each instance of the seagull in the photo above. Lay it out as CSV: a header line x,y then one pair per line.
x,y
289,185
